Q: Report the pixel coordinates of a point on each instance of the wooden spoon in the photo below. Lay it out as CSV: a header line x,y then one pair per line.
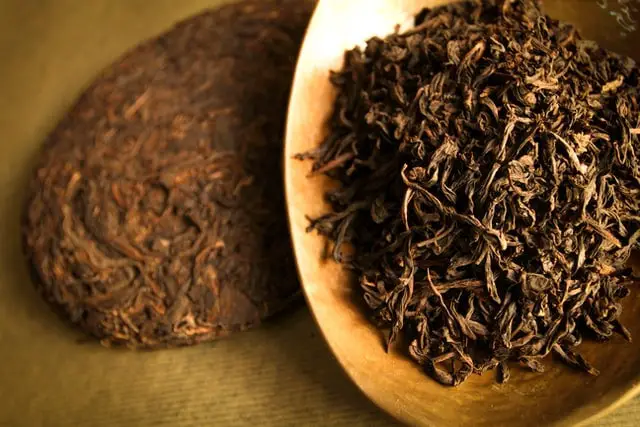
x,y
561,396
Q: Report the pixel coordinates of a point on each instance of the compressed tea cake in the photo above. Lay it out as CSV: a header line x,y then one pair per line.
x,y
155,216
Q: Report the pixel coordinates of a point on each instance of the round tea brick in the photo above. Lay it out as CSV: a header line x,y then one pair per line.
x,y
156,215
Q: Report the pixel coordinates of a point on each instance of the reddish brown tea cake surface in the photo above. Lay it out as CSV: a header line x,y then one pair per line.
x,y
156,216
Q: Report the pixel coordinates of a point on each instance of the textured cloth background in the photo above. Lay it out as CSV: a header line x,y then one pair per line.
x,y
280,375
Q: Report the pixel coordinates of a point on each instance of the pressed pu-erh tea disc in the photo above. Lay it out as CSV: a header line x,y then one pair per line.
x,y
155,216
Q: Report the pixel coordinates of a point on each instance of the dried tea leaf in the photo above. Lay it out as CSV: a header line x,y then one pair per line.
x,y
495,152
155,217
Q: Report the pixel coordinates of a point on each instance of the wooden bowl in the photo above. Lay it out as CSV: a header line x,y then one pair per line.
x,y
560,396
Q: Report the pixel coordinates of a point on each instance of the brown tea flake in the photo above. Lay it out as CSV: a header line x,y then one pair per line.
x,y
488,172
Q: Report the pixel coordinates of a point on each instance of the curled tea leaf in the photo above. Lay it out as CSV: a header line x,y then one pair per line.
x,y
494,151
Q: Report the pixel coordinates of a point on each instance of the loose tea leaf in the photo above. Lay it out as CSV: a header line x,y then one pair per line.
x,y
489,184
156,214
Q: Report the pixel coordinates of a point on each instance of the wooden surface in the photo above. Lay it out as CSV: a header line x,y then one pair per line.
x,y
561,396
279,375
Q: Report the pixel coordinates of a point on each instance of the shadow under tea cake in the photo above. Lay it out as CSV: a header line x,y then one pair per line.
x,y
155,216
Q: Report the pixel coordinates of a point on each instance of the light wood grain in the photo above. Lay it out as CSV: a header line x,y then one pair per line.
x,y
560,396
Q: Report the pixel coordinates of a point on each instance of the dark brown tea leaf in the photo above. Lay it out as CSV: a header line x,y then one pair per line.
x,y
489,181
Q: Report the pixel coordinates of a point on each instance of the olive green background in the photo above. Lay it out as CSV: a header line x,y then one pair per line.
x,y
281,374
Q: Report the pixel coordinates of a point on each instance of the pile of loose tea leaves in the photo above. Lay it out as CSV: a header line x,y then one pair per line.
x,y
156,213
489,186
